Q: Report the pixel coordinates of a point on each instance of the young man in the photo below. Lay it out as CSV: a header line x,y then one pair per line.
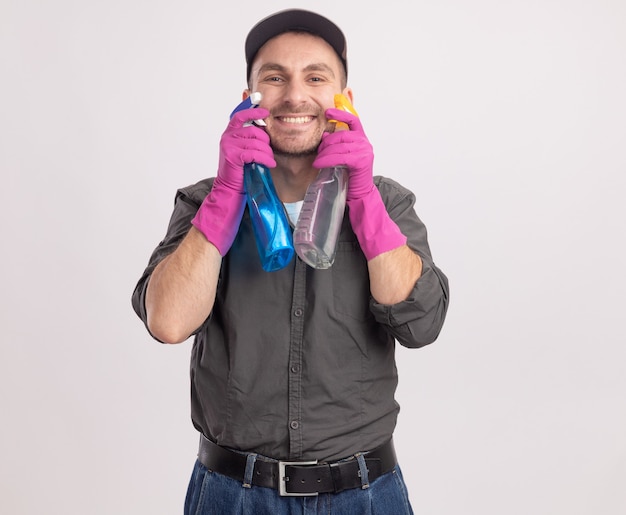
x,y
292,371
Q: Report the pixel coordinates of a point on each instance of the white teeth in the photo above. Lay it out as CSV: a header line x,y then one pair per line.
x,y
298,119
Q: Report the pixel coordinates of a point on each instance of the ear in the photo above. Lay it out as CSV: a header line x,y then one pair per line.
x,y
347,92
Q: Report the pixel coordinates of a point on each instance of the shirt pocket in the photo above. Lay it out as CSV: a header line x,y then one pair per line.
x,y
351,287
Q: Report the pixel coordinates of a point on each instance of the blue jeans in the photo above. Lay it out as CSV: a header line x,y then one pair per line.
x,y
210,493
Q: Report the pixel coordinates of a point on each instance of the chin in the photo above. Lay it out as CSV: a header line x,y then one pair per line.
x,y
295,153
296,150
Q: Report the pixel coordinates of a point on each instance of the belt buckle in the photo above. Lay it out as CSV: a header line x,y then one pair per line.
x,y
282,478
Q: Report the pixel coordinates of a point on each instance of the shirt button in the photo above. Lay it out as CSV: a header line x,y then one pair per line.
x,y
295,369
298,312
294,424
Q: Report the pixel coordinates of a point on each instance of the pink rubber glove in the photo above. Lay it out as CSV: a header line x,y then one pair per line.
x,y
220,214
376,231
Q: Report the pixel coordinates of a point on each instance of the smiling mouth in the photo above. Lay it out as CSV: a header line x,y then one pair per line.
x,y
295,119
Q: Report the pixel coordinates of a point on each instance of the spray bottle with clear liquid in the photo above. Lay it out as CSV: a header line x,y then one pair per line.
x,y
319,223
269,220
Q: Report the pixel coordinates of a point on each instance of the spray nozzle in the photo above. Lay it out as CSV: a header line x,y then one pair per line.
x,y
253,100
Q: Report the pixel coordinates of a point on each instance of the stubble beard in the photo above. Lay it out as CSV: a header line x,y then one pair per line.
x,y
306,149
295,153
293,149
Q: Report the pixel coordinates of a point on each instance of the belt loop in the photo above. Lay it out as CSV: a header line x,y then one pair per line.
x,y
363,473
247,477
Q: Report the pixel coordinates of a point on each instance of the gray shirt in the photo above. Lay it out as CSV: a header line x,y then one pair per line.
x,y
299,363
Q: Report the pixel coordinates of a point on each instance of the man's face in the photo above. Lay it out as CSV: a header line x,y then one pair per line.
x,y
298,75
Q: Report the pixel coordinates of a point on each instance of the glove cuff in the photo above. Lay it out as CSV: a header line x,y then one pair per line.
x,y
219,216
376,231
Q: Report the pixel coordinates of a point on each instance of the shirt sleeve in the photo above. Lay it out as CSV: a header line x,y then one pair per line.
x,y
416,321
186,204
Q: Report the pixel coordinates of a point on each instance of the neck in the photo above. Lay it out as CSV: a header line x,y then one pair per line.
x,y
292,177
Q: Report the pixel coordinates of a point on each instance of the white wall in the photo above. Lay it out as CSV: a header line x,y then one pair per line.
x,y
507,118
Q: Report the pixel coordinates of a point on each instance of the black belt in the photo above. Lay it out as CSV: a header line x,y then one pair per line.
x,y
298,478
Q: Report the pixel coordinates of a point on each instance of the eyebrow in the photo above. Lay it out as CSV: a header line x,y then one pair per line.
x,y
321,67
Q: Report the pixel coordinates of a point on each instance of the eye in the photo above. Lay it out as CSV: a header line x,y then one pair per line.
x,y
272,78
317,79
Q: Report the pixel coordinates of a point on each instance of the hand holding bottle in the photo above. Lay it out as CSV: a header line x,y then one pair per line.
x,y
241,143
272,234
349,148
220,214
376,231
321,217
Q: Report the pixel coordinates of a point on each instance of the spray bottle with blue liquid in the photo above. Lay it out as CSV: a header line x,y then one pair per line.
x,y
269,220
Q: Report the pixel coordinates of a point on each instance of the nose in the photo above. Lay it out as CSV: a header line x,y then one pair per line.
x,y
295,93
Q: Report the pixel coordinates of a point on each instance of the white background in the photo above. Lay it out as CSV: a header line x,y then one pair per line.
x,y
508,120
